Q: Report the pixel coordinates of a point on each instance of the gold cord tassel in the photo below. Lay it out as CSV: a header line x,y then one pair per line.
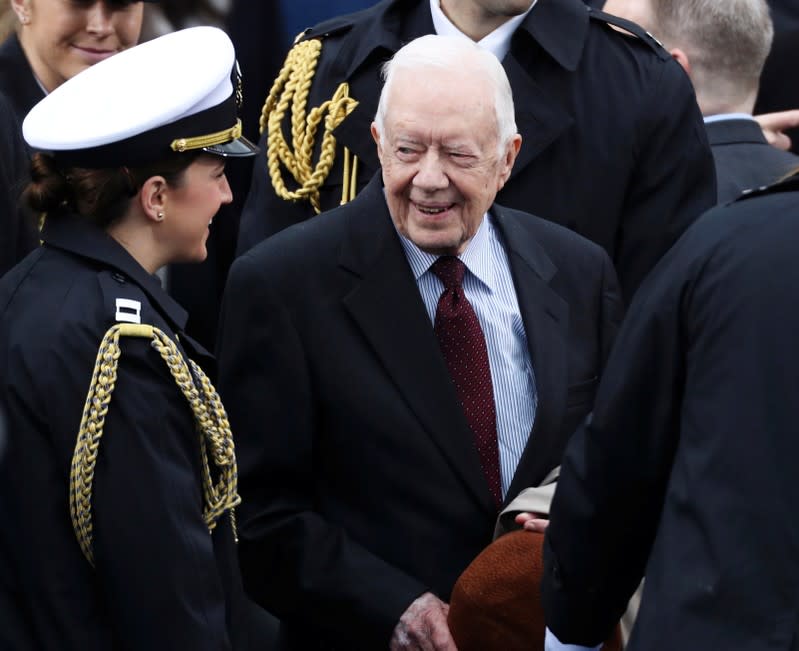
x,y
209,414
291,89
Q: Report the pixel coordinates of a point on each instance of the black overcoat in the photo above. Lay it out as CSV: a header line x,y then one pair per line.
x,y
687,472
613,142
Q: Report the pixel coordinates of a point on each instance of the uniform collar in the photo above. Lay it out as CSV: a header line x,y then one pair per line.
x,y
560,27
75,235
389,25
497,42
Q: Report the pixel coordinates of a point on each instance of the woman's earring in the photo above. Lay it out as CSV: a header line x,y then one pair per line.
x,y
160,217
24,19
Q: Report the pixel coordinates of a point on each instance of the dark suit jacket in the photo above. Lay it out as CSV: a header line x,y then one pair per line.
x,y
361,485
613,142
688,468
744,160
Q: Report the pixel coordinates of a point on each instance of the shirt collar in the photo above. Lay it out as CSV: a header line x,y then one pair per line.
x,y
476,257
718,117
497,42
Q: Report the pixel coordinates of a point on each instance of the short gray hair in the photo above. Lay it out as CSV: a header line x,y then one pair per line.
x,y
453,53
726,41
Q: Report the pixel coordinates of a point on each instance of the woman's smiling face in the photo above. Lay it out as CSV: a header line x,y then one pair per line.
x,y
63,37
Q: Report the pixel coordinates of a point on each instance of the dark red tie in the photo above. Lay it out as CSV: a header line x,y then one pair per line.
x,y
464,347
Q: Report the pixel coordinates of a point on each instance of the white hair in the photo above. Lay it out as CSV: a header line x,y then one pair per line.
x,y
453,53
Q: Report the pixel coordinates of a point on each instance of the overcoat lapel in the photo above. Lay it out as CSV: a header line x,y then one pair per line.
x,y
540,119
387,308
546,322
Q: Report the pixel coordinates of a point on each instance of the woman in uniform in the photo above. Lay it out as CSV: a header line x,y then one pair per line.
x,y
118,478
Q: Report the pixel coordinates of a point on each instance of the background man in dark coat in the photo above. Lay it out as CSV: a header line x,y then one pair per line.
x,y
722,45
365,489
613,142
687,469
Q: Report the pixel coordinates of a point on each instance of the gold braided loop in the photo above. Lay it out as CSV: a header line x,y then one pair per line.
x,y
209,414
291,89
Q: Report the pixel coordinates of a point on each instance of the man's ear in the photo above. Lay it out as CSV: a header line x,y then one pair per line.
x,y
376,137
511,152
682,58
153,198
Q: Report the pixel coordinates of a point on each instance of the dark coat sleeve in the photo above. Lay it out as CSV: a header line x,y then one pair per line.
x,y
615,469
673,179
304,568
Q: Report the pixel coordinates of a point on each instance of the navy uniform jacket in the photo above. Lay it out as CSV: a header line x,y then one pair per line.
x,y
613,142
17,231
688,469
17,81
19,91
161,581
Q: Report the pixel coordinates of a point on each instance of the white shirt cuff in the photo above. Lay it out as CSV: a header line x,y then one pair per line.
x,y
551,643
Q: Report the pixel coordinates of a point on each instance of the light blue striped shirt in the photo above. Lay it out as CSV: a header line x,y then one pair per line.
x,y
488,286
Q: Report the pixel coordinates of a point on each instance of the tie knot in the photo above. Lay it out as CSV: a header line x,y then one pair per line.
x,y
450,271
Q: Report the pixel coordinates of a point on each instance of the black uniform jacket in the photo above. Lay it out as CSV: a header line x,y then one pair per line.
x,y
17,81
361,483
161,581
17,232
744,160
613,142
19,91
687,471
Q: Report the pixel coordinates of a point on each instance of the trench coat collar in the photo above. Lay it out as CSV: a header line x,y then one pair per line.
x,y
75,235
560,27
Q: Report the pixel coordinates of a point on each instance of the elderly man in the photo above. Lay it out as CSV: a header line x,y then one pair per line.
x,y
722,45
613,143
396,369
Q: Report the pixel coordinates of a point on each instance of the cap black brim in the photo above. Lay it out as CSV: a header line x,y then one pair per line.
x,y
239,148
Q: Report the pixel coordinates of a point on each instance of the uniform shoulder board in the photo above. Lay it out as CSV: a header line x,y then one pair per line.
x,y
791,184
124,301
632,28
327,28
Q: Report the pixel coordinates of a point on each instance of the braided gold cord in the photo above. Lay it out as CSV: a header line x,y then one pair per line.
x,y
209,414
291,89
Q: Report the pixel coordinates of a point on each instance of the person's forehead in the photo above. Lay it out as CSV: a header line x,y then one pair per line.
x,y
432,87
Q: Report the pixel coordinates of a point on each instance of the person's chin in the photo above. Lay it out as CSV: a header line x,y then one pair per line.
x,y
437,243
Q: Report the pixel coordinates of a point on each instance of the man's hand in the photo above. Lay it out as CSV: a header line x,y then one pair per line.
x,y
773,125
424,626
532,522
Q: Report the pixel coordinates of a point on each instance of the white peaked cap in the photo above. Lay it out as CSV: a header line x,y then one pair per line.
x,y
173,93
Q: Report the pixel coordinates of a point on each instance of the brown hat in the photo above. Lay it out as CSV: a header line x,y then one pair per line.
x,y
496,602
